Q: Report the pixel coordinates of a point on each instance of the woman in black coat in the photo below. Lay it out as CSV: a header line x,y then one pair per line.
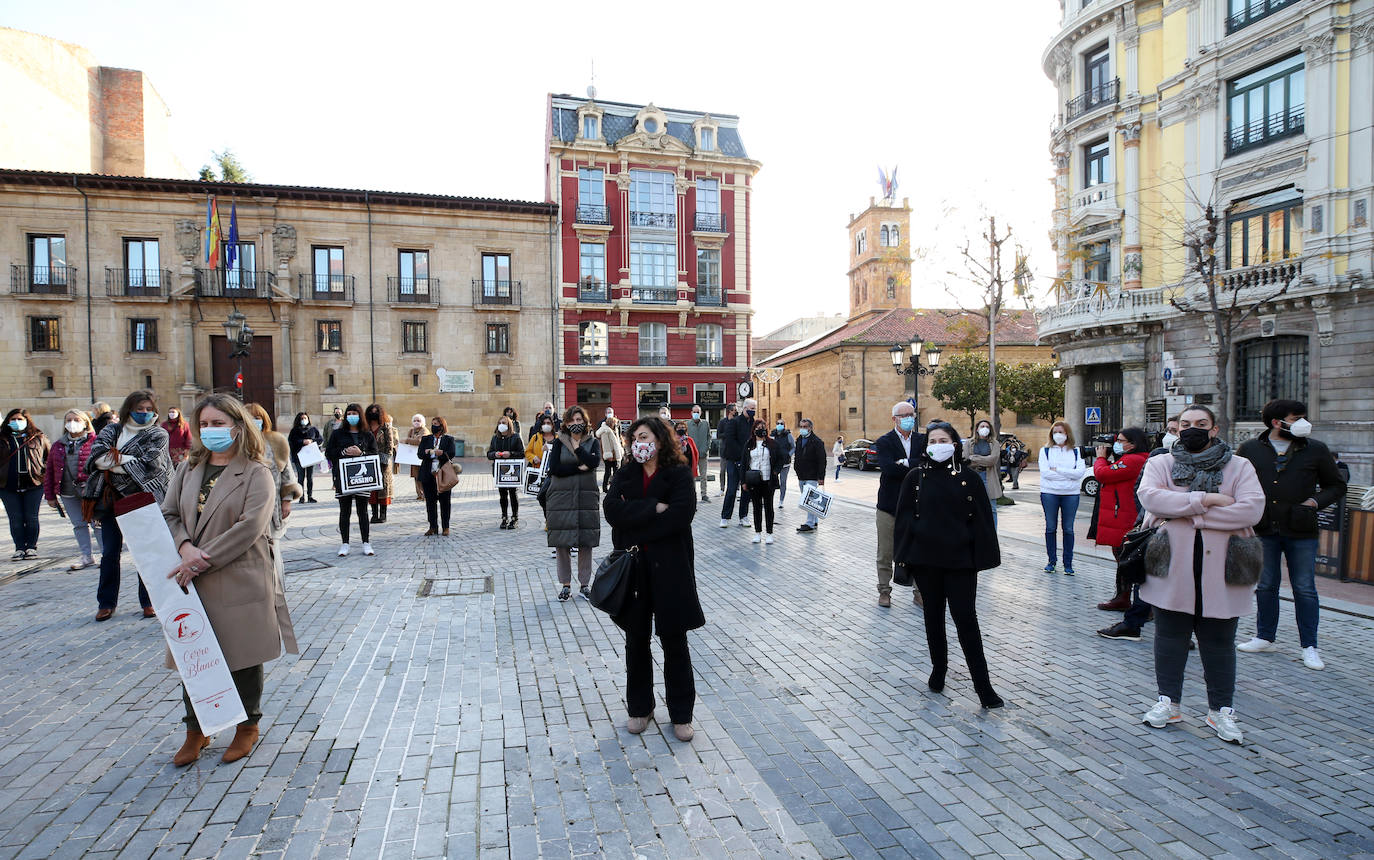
x,y
434,451
944,536
350,440
761,455
505,445
650,504
303,433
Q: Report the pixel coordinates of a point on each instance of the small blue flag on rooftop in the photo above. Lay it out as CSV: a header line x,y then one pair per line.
x,y
232,252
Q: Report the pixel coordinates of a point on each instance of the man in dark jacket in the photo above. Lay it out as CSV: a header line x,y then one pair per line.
x,y
732,434
808,461
897,449
1291,466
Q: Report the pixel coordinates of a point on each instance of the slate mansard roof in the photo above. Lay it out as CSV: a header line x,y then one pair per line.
x,y
618,121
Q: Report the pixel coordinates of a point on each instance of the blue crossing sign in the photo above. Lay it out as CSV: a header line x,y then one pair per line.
x,y
1092,415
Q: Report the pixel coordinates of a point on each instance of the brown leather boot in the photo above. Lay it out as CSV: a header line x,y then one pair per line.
x,y
1119,603
242,744
190,750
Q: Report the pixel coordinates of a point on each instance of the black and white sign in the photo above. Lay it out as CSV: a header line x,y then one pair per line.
x,y
359,475
817,501
534,480
510,473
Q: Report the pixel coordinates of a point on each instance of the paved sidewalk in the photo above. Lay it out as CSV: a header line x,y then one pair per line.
x,y
446,704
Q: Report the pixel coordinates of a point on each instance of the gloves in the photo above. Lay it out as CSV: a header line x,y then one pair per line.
x,y
903,462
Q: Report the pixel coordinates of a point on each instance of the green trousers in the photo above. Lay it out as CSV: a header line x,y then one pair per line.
x,y
249,684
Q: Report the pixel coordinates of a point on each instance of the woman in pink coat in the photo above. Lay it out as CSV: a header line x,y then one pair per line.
x,y
1202,579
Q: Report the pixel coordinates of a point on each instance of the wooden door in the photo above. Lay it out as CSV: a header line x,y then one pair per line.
x,y
259,385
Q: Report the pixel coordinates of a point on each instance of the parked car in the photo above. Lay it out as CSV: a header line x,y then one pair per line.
x,y
1091,487
860,455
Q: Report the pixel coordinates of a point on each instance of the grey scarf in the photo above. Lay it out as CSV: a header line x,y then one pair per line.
x,y
1201,472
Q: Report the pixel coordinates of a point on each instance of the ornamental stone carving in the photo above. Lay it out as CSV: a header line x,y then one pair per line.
x,y
1317,49
187,239
1362,35
1133,265
284,243
1130,132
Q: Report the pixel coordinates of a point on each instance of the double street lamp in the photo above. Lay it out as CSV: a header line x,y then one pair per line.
x,y
912,366
240,338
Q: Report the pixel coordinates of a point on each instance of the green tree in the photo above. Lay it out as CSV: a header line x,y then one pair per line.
x,y
962,384
1031,389
230,170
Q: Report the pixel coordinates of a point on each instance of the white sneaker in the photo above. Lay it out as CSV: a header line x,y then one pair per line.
x,y
1256,645
1224,721
756,538
725,524
744,522
367,549
343,549
769,539
1312,658
1163,713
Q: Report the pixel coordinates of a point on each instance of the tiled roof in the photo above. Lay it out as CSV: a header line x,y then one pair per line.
x,y
943,326
618,121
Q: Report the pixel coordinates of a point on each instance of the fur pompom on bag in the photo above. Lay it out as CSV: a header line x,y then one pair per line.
x,y
1158,554
1244,560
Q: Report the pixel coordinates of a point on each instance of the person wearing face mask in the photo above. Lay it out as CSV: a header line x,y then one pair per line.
x,y
761,464
303,433
944,536
612,451
1061,476
1300,477
808,462
506,445
378,423
1117,477
132,453
897,450
335,421
419,426
514,417
651,505
546,416
23,462
178,436
279,461
782,437
733,434
837,451
436,449
66,474
351,440
700,430
983,456
1201,575
572,501
689,447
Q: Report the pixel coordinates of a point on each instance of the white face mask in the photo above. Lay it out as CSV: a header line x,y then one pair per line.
x,y
1300,428
1060,438
503,428
75,427
1168,441
940,451
984,432
547,428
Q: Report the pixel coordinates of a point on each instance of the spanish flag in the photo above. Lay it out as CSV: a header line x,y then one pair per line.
x,y
212,235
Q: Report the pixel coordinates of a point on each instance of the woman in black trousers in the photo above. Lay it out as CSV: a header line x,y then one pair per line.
x,y
505,445
436,449
761,455
303,433
350,440
650,504
944,536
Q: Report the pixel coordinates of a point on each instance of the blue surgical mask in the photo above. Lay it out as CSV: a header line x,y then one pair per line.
x,y
18,425
142,418
907,423
258,422
216,438
803,432
781,428
353,419
1118,449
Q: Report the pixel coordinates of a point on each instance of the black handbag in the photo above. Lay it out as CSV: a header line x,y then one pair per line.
x,y
614,580
1130,565
753,478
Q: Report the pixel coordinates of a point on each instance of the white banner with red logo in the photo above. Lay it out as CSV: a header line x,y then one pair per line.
x,y
185,625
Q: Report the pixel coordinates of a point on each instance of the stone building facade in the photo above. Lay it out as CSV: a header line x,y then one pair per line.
x,y
352,296
1264,111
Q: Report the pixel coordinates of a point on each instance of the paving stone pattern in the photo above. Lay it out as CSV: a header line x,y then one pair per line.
x,y
447,704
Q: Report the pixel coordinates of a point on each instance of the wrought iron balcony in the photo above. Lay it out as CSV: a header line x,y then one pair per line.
x,y
326,288
662,220
709,222
488,292
592,290
1254,11
593,358
1265,274
710,294
42,280
1266,130
1089,303
653,295
234,284
137,282
417,291
1092,98
587,214
653,359
710,360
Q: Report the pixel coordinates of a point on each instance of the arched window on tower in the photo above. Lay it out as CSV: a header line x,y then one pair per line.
x,y
892,288
883,236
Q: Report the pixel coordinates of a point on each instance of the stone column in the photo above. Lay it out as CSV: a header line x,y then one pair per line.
x,y
1132,262
1073,400
1133,393
1063,265
287,390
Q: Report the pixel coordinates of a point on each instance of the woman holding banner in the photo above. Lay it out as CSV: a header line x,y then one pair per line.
x,y
220,509
505,445
350,440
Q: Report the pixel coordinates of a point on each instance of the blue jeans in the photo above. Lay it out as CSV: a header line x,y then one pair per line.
x,y
810,514
1301,554
112,542
1056,507
80,527
837,469
21,507
782,482
732,479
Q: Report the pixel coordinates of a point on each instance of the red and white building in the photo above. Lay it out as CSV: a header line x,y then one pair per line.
x,y
654,292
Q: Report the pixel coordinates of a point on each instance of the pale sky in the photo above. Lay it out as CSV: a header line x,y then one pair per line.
x,y
450,98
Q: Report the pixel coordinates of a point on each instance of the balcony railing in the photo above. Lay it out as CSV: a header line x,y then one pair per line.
x,y
1267,129
137,282
587,214
653,295
710,361
1094,97
710,294
234,284
416,291
1265,274
326,288
662,220
42,280
1096,306
709,222
1099,198
1254,11
592,290
653,359
593,358
487,292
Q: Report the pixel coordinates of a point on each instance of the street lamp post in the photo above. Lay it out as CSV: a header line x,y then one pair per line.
x,y
912,367
240,338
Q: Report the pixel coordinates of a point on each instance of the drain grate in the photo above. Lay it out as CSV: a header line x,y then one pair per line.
x,y
303,565
470,587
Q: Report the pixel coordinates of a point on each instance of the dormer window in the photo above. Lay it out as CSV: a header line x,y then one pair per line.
x,y
591,127
708,139
705,129
651,125
651,121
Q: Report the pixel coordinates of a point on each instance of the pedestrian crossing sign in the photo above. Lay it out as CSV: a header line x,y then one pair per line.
x,y
1092,415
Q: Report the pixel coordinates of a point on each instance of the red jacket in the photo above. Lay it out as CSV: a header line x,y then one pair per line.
x,y
691,452
1116,511
57,464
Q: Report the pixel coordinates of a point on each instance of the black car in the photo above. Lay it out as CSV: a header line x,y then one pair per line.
x,y
860,455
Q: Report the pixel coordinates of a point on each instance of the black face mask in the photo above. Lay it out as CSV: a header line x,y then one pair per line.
x,y
760,433
1194,439
437,430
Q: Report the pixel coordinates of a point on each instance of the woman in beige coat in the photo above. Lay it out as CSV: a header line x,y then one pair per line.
x,y
220,506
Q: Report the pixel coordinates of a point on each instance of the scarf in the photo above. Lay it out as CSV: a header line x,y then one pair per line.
x,y
1201,472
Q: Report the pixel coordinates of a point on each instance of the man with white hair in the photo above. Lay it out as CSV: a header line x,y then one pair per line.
x,y
897,449
733,435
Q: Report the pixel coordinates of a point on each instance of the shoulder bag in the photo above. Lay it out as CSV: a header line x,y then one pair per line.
x,y
1130,565
614,580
